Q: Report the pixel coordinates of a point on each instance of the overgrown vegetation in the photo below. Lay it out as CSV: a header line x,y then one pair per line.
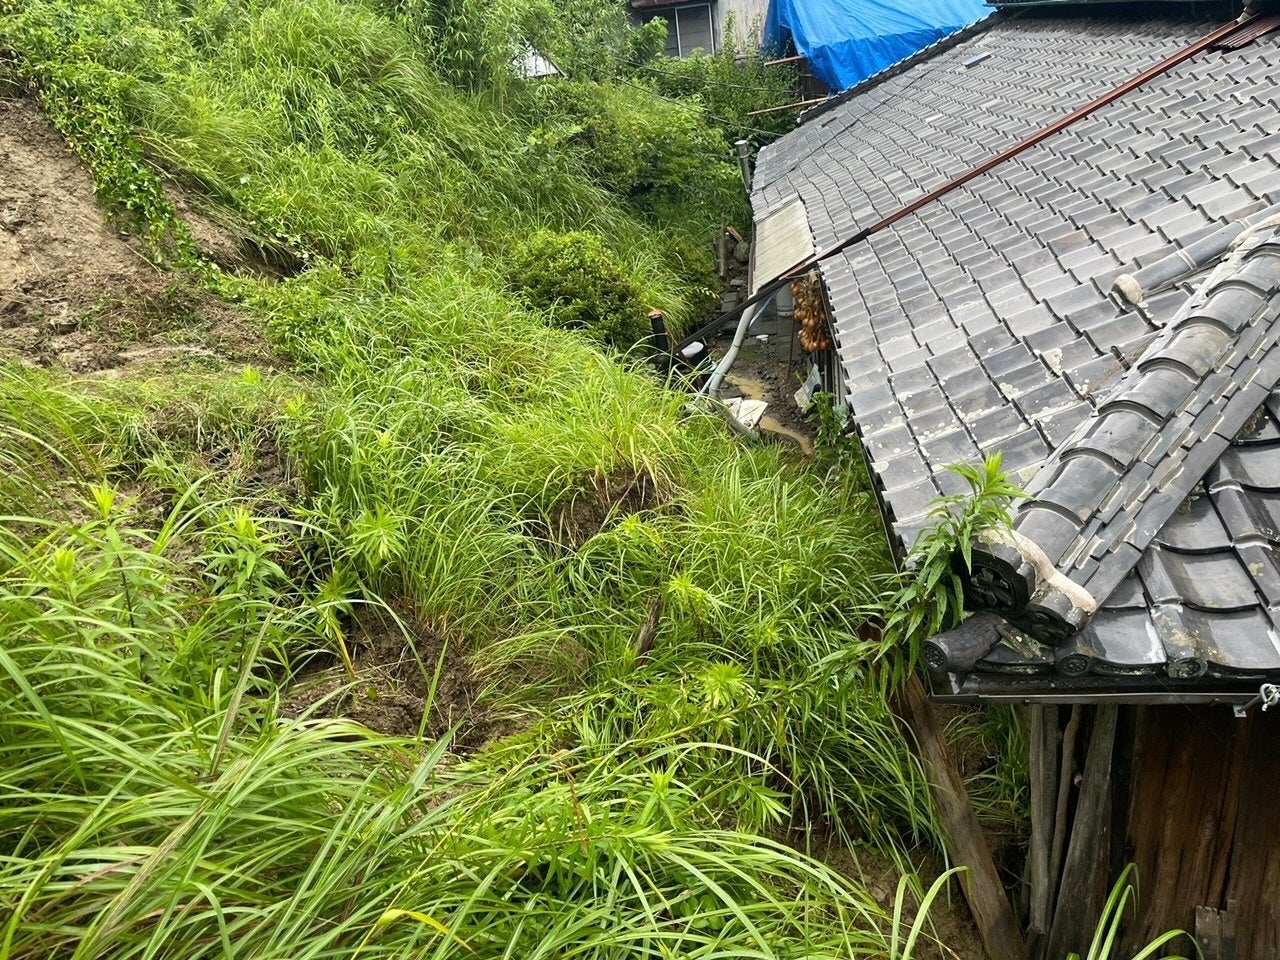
x,y
581,284
932,599
670,627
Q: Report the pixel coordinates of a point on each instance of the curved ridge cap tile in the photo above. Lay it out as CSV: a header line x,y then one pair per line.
x,y
958,649
1099,465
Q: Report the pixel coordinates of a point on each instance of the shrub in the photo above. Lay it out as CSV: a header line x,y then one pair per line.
x,y
661,155
583,285
730,86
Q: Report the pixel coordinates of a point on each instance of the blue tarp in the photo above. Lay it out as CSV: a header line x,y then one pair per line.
x,y
847,41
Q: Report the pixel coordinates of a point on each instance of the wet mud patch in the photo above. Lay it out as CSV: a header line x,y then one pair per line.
x,y
75,291
596,505
771,366
408,683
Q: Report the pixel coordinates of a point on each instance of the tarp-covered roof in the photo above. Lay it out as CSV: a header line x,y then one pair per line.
x,y
847,41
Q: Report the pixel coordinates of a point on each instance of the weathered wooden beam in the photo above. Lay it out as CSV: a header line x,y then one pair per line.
x,y
784,60
1086,872
1216,932
1061,808
967,846
1043,775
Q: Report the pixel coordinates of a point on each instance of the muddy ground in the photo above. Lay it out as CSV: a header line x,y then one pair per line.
x,y
770,367
76,292
407,683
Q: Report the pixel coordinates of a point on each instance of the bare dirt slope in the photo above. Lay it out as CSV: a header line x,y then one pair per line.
x,y
74,291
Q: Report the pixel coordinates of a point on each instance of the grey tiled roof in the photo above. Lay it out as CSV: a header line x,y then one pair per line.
x,y
987,321
917,129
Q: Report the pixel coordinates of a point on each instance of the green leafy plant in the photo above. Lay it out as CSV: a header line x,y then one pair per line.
x,y
835,447
732,87
1105,937
84,97
581,284
662,154
667,625
904,948
931,597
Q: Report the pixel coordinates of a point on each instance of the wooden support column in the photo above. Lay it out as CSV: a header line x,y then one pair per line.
x,y
1043,741
966,846
1086,876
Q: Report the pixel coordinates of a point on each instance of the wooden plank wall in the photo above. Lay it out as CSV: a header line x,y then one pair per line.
x,y
1189,795
1204,830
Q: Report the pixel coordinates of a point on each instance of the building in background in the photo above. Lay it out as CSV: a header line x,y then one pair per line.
x,y
710,26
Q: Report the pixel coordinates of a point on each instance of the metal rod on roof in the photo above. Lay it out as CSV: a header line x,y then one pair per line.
x,y
787,106
767,289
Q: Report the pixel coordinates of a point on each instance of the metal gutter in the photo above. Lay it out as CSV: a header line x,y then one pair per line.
x,y
1053,689
1204,43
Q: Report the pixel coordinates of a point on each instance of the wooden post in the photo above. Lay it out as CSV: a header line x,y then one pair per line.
x,y
1043,774
1061,808
1086,873
967,846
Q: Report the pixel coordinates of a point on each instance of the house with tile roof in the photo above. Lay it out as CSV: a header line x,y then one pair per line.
x,y
1056,235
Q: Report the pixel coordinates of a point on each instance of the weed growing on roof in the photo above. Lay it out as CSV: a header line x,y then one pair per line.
x,y
931,599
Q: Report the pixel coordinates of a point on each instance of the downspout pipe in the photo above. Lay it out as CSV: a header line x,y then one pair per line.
x,y
712,387
716,381
744,162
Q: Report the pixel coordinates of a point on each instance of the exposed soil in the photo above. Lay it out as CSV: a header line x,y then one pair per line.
x,y
408,682
950,933
77,293
605,500
770,367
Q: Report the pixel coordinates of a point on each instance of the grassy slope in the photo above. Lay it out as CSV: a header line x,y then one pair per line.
x,y
456,453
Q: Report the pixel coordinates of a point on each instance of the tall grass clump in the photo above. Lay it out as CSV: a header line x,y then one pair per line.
x,y
157,802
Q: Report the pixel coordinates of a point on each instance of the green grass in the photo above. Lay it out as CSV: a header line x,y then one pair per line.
x,y
157,804
178,544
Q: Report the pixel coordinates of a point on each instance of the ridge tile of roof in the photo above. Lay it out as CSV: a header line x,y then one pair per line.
x,y
1106,492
